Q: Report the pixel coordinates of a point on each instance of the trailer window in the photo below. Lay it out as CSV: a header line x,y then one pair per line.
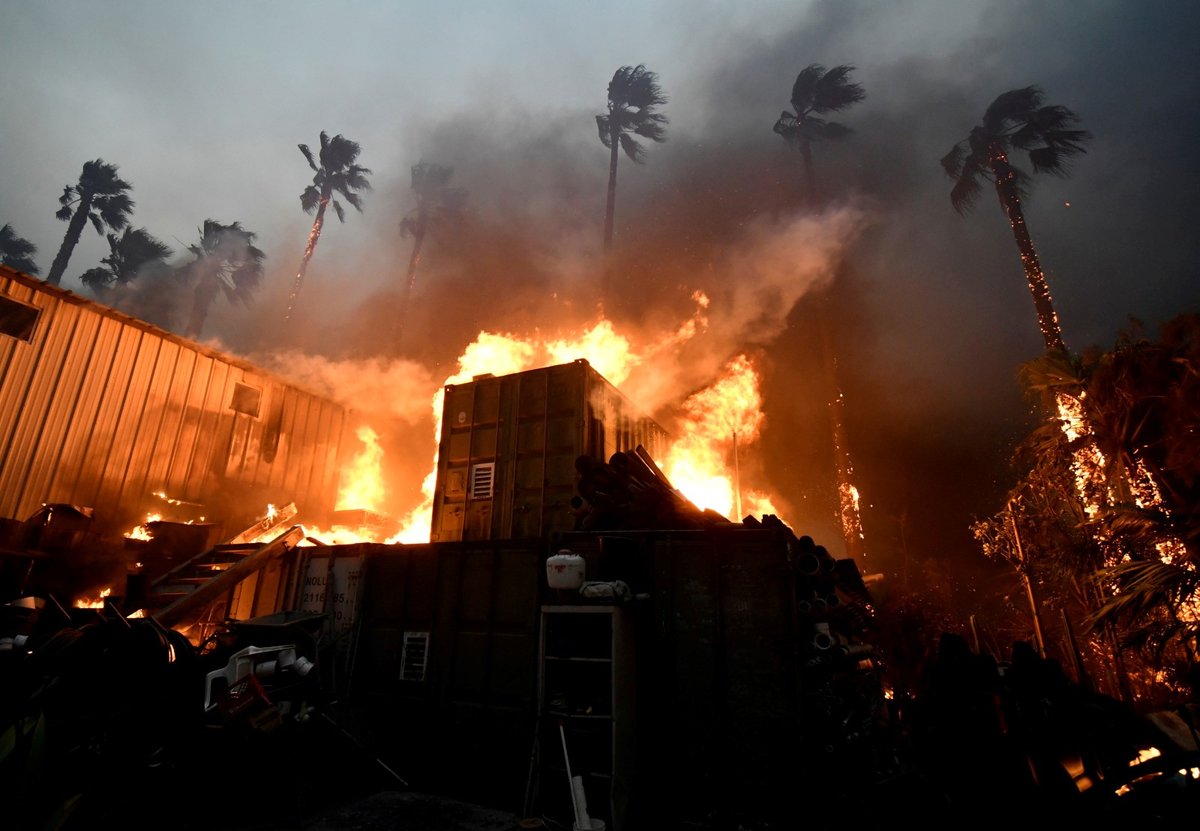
x,y
17,319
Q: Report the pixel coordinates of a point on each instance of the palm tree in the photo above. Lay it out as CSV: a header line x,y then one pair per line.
x,y
225,262
815,93
633,93
436,202
17,252
134,252
336,173
101,197
1017,121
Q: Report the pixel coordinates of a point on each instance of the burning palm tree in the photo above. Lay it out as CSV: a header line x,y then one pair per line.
x,y
633,95
336,173
17,252
1017,121
815,93
101,197
225,261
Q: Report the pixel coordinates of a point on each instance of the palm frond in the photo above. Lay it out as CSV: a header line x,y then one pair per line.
x,y
1014,105
97,222
834,90
351,197
603,129
310,199
633,149
64,213
68,195
804,87
339,210
308,155
964,193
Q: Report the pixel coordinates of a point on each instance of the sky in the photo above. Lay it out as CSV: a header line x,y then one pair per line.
x,y
202,104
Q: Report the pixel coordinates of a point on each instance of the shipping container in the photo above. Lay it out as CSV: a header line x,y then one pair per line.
x,y
508,446
102,410
445,665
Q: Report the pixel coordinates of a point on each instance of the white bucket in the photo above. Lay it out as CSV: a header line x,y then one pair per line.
x,y
565,570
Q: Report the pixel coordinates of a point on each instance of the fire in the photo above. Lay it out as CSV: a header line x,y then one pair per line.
x,y
717,424
142,532
93,603
362,485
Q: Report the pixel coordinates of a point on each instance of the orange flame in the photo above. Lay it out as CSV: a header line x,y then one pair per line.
x,y
718,423
93,602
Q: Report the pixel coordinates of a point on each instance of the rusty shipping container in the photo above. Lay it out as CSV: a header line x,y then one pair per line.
x,y
102,410
506,456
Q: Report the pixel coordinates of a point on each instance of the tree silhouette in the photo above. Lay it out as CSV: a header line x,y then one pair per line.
x,y
101,197
437,202
226,262
336,173
135,251
1017,121
17,252
816,93
633,95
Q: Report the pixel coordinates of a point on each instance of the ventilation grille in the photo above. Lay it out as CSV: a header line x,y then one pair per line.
x,y
413,656
482,478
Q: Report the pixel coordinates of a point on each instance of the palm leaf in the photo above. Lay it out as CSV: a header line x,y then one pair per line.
x,y
308,155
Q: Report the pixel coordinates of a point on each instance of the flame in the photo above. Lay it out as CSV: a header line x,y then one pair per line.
x,y
93,602
718,423
363,478
142,532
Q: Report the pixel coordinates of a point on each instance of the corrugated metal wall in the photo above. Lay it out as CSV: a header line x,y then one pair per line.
x,y
102,410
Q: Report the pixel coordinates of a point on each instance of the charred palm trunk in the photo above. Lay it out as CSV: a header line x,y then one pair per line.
x,y
849,515
410,280
1010,201
70,240
810,176
609,215
314,236
202,299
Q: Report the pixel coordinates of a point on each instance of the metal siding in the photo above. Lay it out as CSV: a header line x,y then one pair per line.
x,y
102,408
94,349
158,474
209,432
185,446
138,485
35,404
127,436
295,456
67,390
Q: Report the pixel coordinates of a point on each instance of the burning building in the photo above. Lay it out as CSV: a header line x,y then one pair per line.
x,y
107,412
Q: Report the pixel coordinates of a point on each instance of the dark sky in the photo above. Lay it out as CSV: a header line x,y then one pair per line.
x,y
202,106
